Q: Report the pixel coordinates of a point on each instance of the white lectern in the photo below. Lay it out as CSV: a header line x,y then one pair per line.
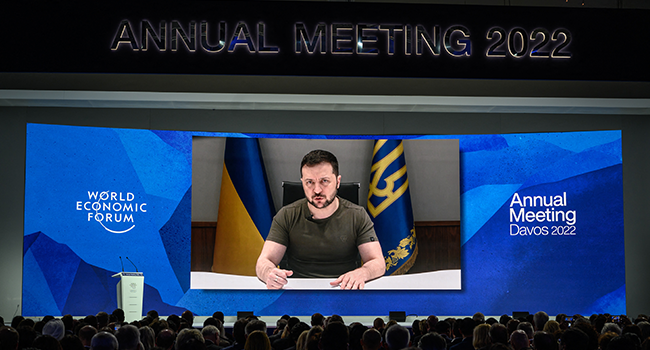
x,y
130,292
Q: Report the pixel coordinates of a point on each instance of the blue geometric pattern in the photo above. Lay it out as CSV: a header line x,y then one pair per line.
x,y
69,255
78,289
99,194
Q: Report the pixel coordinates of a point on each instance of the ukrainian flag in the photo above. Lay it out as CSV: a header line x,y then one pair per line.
x,y
245,209
389,206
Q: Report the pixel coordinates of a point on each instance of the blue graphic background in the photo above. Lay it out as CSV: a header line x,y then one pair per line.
x,y
68,260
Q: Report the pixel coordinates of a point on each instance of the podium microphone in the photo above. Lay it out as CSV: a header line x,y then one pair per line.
x,y
122,262
136,268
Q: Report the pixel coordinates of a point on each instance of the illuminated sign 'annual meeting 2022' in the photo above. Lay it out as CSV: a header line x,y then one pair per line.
x,y
345,38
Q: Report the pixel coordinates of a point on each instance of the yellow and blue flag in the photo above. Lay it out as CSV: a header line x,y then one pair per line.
x,y
245,209
389,206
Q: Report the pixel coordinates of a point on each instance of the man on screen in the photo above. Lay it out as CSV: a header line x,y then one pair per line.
x,y
322,234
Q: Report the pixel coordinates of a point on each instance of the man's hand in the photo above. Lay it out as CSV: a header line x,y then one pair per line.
x,y
277,278
373,267
355,279
266,268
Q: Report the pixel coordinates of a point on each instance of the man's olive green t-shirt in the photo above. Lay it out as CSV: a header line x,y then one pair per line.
x,y
322,248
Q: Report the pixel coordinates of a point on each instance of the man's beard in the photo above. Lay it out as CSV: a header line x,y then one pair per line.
x,y
326,203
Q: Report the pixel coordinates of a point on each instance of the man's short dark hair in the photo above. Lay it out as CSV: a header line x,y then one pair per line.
x,y
218,315
86,333
8,338
466,326
519,339
292,322
70,342
378,323
432,341
335,336
574,339
336,318
165,339
528,328
498,333
188,316
318,156
211,321
119,315
46,342
442,327
297,330
102,319
625,341
372,338
544,341
239,330
317,319
255,325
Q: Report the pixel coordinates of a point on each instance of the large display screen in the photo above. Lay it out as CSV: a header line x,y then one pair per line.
x,y
535,211
409,182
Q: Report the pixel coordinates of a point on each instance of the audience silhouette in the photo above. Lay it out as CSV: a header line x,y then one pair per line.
x,y
105,331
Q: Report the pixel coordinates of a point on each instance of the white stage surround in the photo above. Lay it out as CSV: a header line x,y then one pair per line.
x,y
436,280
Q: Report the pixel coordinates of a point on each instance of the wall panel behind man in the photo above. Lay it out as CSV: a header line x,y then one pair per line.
x,y
432,167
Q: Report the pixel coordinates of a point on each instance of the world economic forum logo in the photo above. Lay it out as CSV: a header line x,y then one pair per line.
x,y
114,211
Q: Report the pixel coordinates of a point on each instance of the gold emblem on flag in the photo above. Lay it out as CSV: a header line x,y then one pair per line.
x,y
403,251
390,193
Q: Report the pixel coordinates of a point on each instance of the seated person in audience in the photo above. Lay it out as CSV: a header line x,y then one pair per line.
x,y
397,337
627,341
313,338
544,341
574,339
239,333
86,334
211,336
356,333
147,337
257,340
528,328
46,342
55,328
334,337
296,332
466,329
539,320
432,341
71,342
378,324
128,336
481,336
104,341
499,333
478,318
8,338
189,339
519,340
165,339
371,339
